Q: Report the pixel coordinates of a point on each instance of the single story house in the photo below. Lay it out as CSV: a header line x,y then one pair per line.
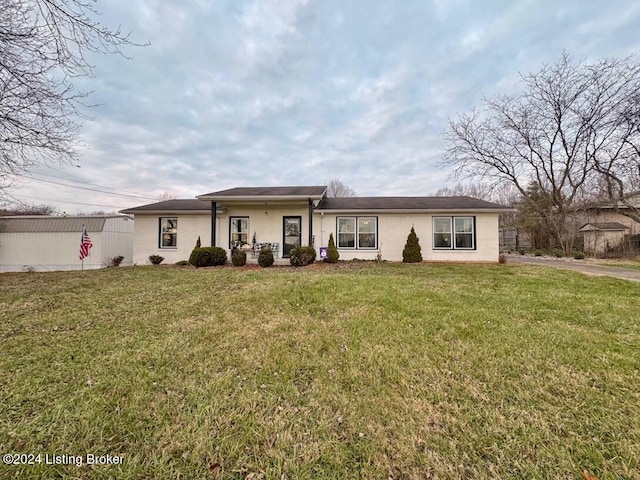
x,y
461,229
45,243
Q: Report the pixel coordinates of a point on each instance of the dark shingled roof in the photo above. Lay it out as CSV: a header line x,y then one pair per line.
x,y
301,191
610,226
407,203
170,205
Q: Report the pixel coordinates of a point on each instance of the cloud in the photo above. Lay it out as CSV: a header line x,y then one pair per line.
x,y
258,92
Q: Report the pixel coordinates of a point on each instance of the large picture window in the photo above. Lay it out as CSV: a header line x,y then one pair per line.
x,y
358,232
238,231
168,232
454,233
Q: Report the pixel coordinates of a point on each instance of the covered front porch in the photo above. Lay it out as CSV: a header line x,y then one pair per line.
x,y
250,218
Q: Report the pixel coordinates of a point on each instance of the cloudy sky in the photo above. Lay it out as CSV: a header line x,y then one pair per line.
x,y
297,92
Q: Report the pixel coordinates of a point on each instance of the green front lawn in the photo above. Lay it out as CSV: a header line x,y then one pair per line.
x,y
346,371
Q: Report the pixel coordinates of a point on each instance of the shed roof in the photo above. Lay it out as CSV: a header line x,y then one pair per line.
x,y
601,227
408,203
48,224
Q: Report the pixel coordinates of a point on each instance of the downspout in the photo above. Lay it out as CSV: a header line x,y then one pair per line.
x,y
213,223
310,222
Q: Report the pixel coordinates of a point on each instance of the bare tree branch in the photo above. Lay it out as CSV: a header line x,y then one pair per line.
x,y
44,44
574,128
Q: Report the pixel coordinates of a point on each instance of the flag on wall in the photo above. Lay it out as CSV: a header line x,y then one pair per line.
x,y
85,244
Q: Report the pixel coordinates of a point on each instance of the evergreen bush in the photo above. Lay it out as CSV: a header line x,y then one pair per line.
x,y
238,257
192,257
208,257
412,252
156,259
578,256
265,259
332,252
301,256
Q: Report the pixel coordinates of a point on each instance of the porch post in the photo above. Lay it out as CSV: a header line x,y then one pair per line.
x,y
310,222
213,224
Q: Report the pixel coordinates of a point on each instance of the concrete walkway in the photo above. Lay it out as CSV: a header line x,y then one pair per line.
x,y
579,266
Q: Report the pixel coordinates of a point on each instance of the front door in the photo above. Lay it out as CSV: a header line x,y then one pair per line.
x,y
292,234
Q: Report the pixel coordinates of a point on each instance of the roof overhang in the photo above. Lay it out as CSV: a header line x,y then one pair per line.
x,y
448,211
258,198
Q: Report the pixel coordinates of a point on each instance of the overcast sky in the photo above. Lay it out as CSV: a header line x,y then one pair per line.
x,y
297,92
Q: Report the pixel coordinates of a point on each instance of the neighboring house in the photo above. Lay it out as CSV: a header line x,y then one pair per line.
x,y
604,228
449,228
44,243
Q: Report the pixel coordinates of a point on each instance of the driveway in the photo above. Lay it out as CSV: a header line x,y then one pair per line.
x,y
579,266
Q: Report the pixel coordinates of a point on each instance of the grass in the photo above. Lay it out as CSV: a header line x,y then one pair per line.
x,y
345,371
633,263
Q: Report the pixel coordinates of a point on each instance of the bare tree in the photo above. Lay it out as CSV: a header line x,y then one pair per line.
x,y
483,191
164,196
574,123
44,45
338,189
26,209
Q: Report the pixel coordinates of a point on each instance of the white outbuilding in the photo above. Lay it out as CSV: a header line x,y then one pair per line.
x,y
48,243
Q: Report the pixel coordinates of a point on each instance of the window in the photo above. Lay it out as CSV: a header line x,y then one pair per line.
x,y
168,232
346,233
367,232
457,233
358,232
238,231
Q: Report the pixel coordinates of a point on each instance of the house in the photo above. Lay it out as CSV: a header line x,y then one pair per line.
x,y
605,228
461,229
44,243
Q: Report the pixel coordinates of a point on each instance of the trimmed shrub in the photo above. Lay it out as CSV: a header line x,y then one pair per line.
x,y
412,252
502,258
332,252
194,253
116,261
301,256
578,255
558,253
238,257
198,243
182,263
265,259
208,257
538,253
156,259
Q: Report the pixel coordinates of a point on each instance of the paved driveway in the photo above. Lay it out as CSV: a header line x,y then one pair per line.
x,y
578,266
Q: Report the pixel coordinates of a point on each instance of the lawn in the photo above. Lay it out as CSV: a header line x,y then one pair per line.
x,y
326,372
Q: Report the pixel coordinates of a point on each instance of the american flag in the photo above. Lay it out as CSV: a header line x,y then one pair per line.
x,y
85,244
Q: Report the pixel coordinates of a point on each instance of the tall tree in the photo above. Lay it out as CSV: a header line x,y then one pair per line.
x,y
44,45
336,188
574,125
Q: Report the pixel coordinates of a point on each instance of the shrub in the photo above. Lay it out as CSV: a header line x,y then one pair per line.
x,y
265,259
238,257
208,257
538,253
194,253
558,253
502,258
332,252
578,255
182,263
522,251
412,252
301,256
156,259
116,261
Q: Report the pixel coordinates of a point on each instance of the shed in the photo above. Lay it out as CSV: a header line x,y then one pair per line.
x,y
601,237
48,243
